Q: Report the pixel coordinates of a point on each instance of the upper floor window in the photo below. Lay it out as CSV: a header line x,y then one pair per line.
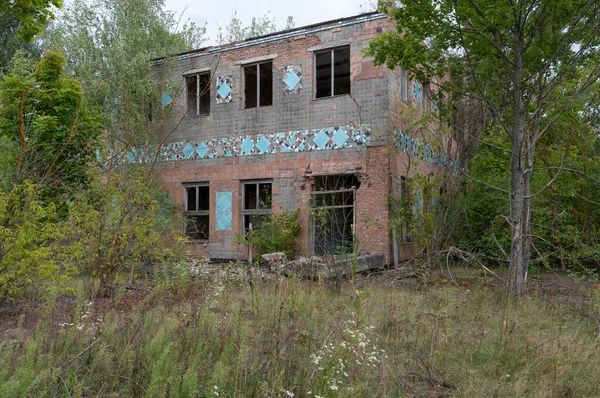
x,y
258,84
196,211
198,94
333,72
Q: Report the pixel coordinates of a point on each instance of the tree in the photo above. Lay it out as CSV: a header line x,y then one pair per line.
x,y
236,31
10,43
111,45
49,133
33,15
526,62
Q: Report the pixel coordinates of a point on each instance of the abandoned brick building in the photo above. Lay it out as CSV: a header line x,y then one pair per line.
x,y
298,119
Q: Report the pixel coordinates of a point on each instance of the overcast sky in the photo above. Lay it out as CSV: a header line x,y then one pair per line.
x,y
305,12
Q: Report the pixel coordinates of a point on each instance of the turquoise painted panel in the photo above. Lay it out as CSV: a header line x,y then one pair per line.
x,y
223,211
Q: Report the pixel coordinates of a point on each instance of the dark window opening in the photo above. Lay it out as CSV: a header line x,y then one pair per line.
x,y
198,94
196,212
333,198
257,202
258,85
332,72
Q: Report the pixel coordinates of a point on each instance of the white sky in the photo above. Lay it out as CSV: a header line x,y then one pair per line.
x,y
305,12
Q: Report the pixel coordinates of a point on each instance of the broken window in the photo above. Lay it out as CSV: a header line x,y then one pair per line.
x,y
256,200
333,198
258,84
196,211
333,72
198,94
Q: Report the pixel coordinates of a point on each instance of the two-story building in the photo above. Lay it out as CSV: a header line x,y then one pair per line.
x,y
298,119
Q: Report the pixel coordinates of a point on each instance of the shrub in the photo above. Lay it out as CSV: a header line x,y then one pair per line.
x,y
29,232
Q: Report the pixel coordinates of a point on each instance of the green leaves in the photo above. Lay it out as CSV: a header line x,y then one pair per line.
x,y
53,131
29,237
33,15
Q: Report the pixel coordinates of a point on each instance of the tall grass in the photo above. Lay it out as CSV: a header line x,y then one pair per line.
x,y
297,338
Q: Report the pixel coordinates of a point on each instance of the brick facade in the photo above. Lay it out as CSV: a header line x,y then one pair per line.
x,y
371,106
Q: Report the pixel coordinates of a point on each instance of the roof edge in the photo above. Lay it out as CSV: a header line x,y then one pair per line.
x,y
279,35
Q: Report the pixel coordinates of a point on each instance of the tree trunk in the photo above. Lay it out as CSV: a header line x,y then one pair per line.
x,y
518,206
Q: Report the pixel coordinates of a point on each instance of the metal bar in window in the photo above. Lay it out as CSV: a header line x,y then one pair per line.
x,y
332,72
334,191
197,94
257,85
333,207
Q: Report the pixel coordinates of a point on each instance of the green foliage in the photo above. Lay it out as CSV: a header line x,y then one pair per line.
x,y
259,26
114,61
117,225
10,42
278,233
412,341
51,131
414,212
29,243
33,15
532,66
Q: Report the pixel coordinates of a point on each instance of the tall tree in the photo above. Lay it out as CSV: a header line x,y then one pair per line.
x,y
49,133
526,61
236,31
111,45
32,15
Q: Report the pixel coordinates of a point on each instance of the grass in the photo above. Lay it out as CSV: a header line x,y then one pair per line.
x,y
288,337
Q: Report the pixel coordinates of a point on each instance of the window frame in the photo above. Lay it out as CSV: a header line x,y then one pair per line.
x,y
340,187
332,51
191,213
200,94
256,211
258,83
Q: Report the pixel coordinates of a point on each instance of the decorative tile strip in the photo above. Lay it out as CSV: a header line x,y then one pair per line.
x,y
421,150
260,144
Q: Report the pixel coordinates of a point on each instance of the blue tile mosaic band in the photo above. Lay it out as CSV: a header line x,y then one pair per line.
x,y
260,144
421,150
223,211
292,79
224,89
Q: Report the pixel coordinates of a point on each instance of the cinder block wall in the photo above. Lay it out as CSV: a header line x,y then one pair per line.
x,y
367,103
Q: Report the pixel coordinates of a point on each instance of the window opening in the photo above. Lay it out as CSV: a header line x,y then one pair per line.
x,y
333,72
333,198
196,211
198,94
257,201
403,84
258,84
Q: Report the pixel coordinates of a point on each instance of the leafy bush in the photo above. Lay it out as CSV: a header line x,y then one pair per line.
x,y
118,225
277,234
29,233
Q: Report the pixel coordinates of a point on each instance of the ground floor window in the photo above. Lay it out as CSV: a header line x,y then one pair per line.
x,y
256,203
197,198
332,199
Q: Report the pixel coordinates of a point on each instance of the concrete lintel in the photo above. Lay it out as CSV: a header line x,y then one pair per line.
x,y
256,59
326,46
197,70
